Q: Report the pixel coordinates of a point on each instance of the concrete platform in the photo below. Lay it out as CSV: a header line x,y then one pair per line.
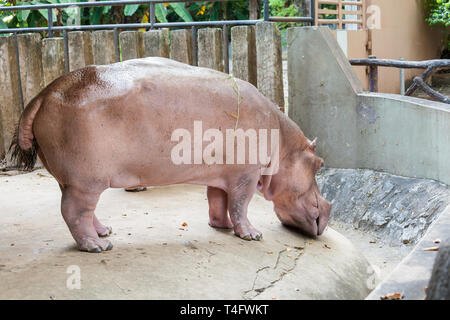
x,y
153,258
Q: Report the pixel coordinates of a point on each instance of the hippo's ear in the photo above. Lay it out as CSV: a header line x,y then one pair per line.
x,y
268,187
313,144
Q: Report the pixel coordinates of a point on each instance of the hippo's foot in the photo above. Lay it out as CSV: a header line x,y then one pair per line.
x,y
136,189
94,245
247,232
102,230
221,223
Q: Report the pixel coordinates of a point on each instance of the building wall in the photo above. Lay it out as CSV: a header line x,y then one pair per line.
x,y
403,33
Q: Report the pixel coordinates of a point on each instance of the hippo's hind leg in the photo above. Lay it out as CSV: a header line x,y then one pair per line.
x,y
239,197
218,208
102,230
77,208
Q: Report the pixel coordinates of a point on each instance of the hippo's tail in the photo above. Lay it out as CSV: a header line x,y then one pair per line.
x,y
24,147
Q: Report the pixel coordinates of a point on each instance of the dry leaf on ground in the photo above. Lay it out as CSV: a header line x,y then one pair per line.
x,y
392,296
431,249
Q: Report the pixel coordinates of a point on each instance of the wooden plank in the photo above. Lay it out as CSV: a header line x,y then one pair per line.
x,y
340,15
327,21
352,22
327,11
253,9
351,3
363,9
327,2
356,13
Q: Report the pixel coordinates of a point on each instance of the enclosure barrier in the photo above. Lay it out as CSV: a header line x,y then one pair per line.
x,y
30,63
402,135
431,67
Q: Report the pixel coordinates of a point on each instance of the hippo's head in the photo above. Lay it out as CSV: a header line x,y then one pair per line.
x,y
295,194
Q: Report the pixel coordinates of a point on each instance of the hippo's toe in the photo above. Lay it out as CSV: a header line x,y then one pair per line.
x,y
95,245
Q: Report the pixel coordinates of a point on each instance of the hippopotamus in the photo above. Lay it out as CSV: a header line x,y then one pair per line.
x,y
112,126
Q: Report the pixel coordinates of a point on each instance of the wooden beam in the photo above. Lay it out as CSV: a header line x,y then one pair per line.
x,y
254,9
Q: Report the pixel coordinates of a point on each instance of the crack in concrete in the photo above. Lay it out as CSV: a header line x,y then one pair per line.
x,y
273,272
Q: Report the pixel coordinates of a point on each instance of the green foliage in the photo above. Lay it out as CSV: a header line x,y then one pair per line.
x,y
164,12
83,16
438,14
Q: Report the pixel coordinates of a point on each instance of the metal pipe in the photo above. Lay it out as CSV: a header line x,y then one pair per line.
x,y
373,76
152,14
266,10
93,4
291,19
312,12
135,26
50,22
156,25
402,80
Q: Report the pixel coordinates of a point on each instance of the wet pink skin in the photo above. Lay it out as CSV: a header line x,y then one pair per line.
x,y
110,127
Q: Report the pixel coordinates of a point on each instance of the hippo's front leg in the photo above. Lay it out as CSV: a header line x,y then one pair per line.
x,y
77,208
239,197
218,208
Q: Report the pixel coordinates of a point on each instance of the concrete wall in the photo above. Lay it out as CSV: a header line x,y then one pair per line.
x,y
401,135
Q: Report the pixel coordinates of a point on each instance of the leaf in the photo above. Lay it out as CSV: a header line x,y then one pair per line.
x,y
44,13
161,12
95,15
23,15
392,296
106,9
431,249
130,9
181,11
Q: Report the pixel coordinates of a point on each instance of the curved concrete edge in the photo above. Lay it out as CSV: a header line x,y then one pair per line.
x,y
414,100
399,210
411,276
157,255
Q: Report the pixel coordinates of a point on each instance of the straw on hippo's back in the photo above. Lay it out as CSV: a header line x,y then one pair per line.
x,y
112,126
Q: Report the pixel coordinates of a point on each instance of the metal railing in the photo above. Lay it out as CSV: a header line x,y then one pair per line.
x,y
152,24
430,67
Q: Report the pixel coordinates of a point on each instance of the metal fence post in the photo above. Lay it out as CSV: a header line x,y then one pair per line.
x,y
152,14
50,22
402,79
373,77
266,10
312,12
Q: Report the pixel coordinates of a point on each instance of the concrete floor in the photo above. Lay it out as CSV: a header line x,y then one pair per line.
x,y
155,257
